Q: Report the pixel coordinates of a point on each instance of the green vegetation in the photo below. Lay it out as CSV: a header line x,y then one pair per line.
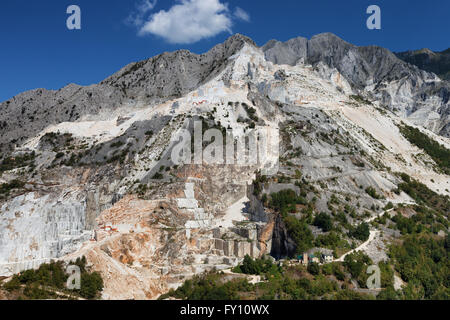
x,y
57,140
157,176
389,206
387,275
18,161
257,267
258,184
424,196
299,232
439,153
59,155
360,99
117,144
356,264
332,241
120,157
209,287
251,112
314,268
285,201
423,221
5,188
422,261
91,285
419,256
323,221
373,193
49,282
361,232
289,283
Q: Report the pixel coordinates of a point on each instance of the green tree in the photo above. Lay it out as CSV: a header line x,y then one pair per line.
x,y
361,232
323,221
91,285
298,230
314,268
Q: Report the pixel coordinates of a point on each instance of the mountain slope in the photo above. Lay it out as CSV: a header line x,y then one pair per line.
x,y
152,81
374,71
425,59
106,185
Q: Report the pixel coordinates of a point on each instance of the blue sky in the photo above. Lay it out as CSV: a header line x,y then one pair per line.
x,y
38,51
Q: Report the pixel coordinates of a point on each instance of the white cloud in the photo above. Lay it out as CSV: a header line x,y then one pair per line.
x,y
136,18
189,21
241,14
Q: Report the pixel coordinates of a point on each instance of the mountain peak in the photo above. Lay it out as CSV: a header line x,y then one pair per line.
x,y
326,35
240,38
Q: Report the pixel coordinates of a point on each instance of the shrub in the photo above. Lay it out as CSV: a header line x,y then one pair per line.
x,y
18,161
422,261
298,230
423,195
117,144
323,221
372,192
157,176
285,201
5,188
40,283
256,267
389,206
361,232
91,285
314,268
13,284
360,99
59,155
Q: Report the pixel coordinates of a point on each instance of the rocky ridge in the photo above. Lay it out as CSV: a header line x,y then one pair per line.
x,y
104,185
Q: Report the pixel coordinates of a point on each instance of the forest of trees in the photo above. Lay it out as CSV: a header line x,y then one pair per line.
x,y
422,262
284,283
43,283
361,232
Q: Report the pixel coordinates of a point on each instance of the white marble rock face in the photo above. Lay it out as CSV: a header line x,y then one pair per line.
x,y
36,230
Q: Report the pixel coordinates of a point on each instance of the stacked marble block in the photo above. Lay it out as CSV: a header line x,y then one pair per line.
x,y
202,220
242,242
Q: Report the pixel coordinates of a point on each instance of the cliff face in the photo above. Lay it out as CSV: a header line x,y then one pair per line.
x,y
151,246
425,59
282,245
104,183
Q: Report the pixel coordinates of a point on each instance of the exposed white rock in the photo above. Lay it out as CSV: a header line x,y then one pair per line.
x,y
37,229
191,225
